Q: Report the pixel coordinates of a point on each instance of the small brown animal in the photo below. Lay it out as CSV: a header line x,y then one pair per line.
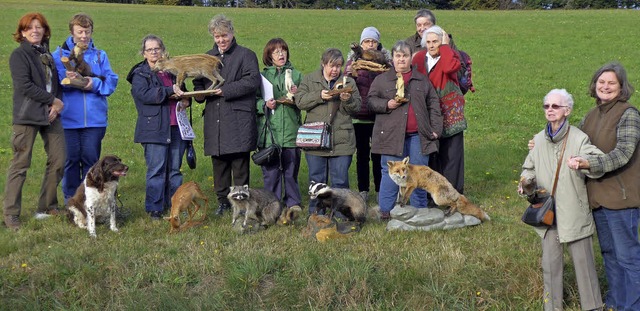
x,y
192,66
369,55
181,201
409,177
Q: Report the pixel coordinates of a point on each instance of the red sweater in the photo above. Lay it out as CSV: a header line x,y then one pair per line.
x,y
444,78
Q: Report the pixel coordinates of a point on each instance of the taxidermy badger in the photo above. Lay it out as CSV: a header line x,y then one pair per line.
x,y
347,202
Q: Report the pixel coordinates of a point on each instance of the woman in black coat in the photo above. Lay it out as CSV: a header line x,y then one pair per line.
x,y
230,131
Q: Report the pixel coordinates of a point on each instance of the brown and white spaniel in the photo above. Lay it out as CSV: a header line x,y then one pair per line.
x,y
95,199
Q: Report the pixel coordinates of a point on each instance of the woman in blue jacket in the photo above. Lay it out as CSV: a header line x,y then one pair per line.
x,y
157,127
84,117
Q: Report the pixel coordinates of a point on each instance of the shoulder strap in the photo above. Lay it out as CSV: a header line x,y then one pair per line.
x,y
564,145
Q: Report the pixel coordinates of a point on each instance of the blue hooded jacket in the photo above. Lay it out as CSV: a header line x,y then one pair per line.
x,y
86,108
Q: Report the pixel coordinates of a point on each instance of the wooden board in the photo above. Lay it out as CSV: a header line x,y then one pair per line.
x,y
195,93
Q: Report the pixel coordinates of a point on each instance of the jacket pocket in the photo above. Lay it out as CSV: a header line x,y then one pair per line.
x,y
151,116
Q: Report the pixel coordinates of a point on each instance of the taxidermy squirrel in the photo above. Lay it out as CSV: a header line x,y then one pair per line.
x,y
409,177
75,62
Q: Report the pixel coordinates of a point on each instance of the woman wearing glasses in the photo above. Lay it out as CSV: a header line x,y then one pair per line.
x,y
574,225
284,120
157,128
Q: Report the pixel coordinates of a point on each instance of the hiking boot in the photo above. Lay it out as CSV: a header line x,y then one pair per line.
x,y
222,207
12,222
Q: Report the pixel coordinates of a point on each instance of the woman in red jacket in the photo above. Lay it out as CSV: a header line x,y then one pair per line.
x,y
441,64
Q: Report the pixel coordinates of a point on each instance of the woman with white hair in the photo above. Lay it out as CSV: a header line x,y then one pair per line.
x,y
574,225
441,64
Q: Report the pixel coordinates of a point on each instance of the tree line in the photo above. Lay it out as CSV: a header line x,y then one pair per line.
x,y
398,4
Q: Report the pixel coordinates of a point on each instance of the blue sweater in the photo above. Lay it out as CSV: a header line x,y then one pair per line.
x,y
86,108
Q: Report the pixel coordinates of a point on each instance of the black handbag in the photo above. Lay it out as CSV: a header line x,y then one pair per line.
x,y
542,210
270,154
190,150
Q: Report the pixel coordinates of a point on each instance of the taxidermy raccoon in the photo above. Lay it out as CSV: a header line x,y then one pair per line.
x,y
347,202
259,204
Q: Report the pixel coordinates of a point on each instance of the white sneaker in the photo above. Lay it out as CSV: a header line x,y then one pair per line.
x,y
41,216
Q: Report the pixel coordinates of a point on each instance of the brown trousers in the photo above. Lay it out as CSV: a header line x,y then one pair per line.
x,y
553,266
22,141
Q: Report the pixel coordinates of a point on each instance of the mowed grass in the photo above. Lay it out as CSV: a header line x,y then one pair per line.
x,y
518,57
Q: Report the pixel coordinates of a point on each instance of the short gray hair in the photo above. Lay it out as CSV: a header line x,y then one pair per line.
x,y
433,29
220,24
402,47
425,13
566,97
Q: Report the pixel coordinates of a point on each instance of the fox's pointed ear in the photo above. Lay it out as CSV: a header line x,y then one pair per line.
x,y
389,163
405,161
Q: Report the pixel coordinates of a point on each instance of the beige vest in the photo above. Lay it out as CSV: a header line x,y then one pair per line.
x,y
618,189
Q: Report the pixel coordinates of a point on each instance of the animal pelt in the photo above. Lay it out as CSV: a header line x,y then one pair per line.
x,y
259,205
182,201
192,66
409,177
95,199
372,60
345,201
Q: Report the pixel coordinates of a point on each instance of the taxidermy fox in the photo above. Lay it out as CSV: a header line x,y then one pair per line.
x,y
192,66
409,177
181,201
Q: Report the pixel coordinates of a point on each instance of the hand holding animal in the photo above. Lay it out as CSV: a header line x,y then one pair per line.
x,y
371,60
409,177
77,69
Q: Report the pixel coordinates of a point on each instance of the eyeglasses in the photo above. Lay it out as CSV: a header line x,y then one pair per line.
x,y
153,50
279,52
369,41
552,106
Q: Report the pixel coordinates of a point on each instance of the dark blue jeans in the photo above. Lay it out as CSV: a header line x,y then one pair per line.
x,y
618,238
389,189
163,171
83,151
337,167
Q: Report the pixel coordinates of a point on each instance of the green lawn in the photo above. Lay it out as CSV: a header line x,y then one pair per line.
x,y
518,57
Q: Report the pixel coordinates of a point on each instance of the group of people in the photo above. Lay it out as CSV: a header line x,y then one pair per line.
x,y
71,120
369,120
595,167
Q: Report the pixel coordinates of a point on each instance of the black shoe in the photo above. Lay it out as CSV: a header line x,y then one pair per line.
x,y
222,207
155,215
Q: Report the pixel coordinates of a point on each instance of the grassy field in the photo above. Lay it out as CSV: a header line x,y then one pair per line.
x,y
518,57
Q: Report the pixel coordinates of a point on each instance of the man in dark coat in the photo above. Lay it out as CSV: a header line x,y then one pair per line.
x,y
230,131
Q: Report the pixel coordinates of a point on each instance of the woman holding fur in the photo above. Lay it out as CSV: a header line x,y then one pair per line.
x,y
37,106
84,118
441,64
284,120
313,96
406,124
363,119
230,130
574,225
157,127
